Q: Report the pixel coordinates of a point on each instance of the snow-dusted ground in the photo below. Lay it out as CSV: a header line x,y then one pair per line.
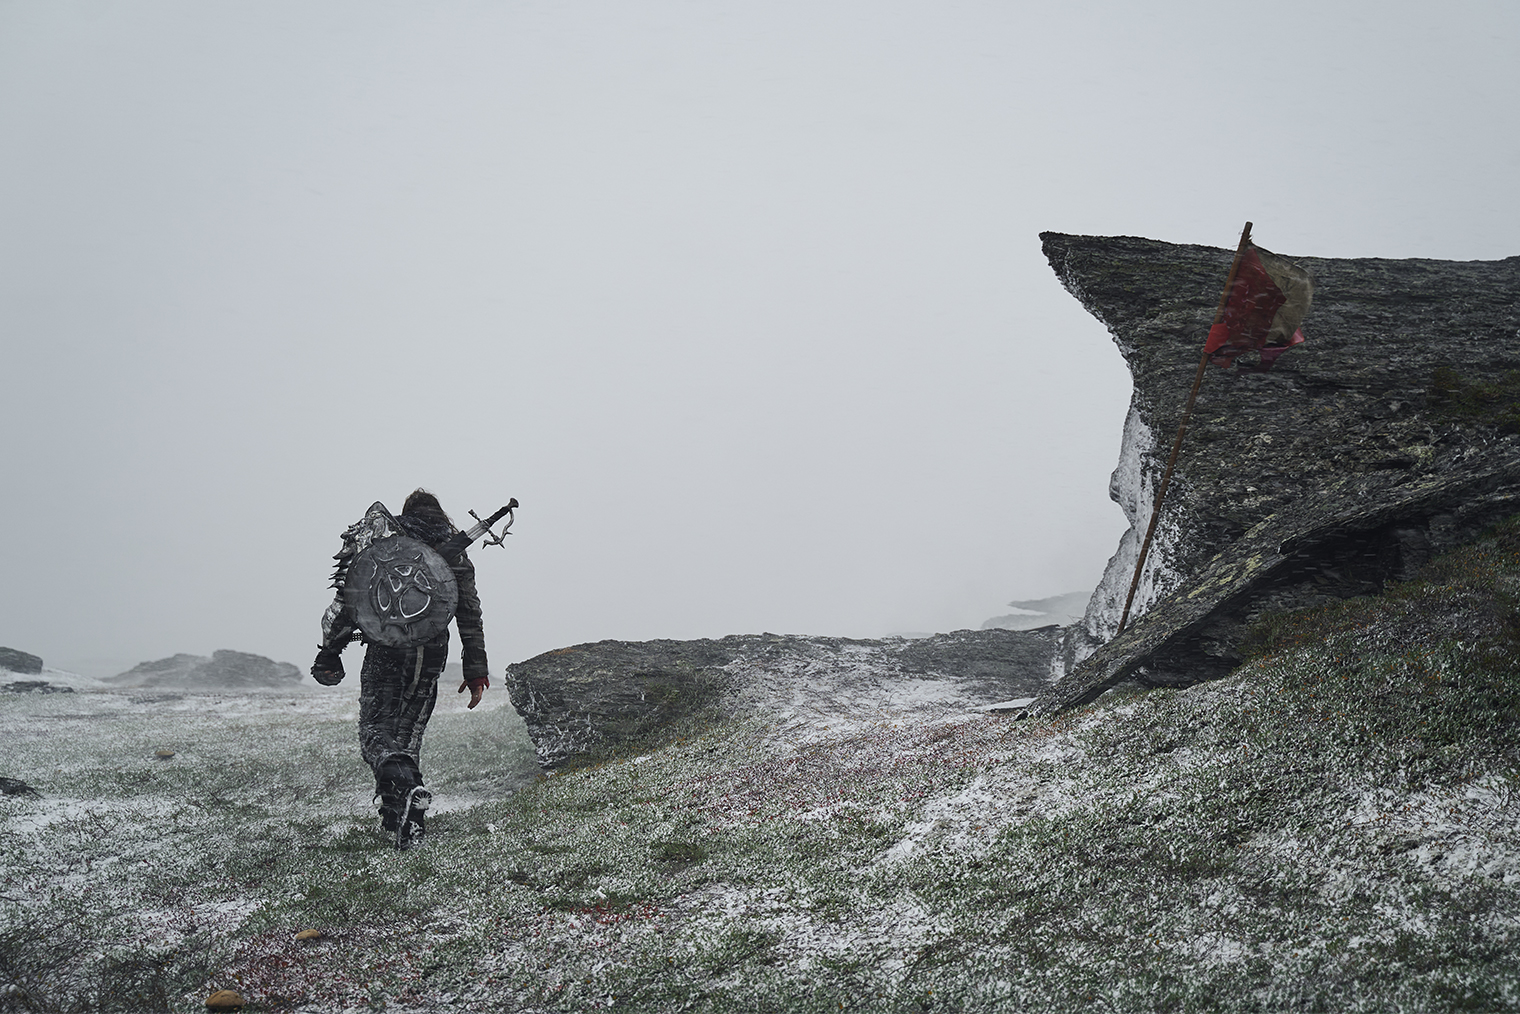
x,y
1334,827
62,742
811,699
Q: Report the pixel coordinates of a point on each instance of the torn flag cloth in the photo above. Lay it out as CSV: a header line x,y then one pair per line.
x,y
1268,299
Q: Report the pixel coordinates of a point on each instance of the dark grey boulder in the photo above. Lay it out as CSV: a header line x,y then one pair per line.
x,y
17,787
1390,435
224,670
19,661
586,701
37,687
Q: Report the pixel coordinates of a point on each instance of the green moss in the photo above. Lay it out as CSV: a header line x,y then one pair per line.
x,y
1486,571
1494,402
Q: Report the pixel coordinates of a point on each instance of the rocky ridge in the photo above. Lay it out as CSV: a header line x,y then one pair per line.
x,y
224,670
583,701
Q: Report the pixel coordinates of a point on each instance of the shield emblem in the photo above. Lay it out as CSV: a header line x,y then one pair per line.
x,y
401,591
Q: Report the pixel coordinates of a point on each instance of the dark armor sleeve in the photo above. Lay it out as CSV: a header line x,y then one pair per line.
x,y
338,627
472,635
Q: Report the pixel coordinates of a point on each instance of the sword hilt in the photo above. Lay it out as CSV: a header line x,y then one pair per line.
x,y
460,542
492,538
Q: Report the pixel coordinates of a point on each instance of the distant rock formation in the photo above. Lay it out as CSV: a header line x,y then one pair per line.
x,y
1029,614
37,687
19,661
587,700
1392,434
224,670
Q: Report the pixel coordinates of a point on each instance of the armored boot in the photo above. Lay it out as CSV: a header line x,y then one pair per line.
x,y
395,780
411,824
391,805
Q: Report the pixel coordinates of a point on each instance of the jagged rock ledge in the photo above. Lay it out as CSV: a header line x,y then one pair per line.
x,y
586,701
1391,435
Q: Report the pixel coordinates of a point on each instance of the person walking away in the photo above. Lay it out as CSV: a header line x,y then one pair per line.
x,y
398,686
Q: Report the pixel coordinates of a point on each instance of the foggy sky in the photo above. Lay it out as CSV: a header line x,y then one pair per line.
x,y
744,302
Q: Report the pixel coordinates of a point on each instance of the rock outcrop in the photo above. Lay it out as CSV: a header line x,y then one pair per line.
x,y
37,687
584,701
19,661
224,670
1393,433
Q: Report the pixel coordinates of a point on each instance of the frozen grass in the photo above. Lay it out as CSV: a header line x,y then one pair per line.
x,y
132,878
1335,827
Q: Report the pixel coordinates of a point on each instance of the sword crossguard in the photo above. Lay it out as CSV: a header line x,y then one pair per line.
x,y
492,538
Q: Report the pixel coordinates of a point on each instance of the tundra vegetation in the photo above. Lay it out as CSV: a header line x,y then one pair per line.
x,y
1334,826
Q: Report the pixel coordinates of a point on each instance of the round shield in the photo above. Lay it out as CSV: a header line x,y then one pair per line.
x,y
401,591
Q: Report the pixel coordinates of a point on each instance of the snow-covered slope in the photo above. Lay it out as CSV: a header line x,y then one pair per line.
x,y
1334,826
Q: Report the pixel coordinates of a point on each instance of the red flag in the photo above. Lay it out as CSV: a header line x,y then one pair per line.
x,y
1268,300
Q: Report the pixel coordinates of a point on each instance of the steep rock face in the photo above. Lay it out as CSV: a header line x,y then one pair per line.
x,y
1389,435
582,701
224,670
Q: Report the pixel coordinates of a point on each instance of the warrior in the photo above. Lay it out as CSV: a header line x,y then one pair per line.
x,y
400,578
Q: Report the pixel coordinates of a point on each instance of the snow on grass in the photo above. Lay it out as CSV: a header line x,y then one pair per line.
x,y
810,699
1334,827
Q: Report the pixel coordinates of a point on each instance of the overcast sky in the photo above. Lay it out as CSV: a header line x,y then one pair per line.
x,y
743,301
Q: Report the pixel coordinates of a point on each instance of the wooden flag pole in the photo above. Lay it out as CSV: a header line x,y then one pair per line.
x,y
1187,412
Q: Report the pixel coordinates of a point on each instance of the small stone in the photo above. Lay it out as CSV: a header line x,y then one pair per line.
x,y
309,934
16,787
225,999
165,755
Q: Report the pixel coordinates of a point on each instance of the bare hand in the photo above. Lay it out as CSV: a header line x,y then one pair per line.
x,y
476,693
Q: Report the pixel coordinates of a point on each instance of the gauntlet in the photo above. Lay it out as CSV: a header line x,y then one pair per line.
x,y
328,668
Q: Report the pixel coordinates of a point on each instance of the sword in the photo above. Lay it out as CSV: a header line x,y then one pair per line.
x,y
459,542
